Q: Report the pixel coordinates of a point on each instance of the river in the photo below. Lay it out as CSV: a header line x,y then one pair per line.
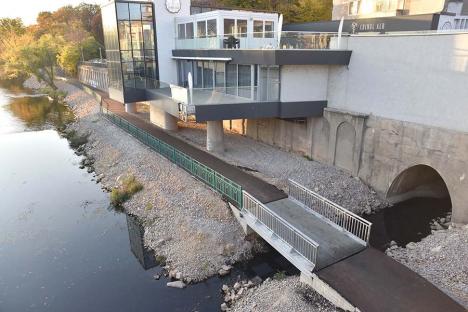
x,y
62,246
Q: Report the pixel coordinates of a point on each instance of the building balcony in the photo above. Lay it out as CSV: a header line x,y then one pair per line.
x,y
208,104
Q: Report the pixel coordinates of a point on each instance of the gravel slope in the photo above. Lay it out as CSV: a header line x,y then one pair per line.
x,y
185,221
442,258
277,166
287,294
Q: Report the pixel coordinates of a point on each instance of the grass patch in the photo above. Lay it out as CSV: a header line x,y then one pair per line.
x,y
121,194
149,207
161,260
279,275
308,158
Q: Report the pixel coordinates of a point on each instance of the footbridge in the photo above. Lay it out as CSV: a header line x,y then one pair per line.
x,y
311,231
326,242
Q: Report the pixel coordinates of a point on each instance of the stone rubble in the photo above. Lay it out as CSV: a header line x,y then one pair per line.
x,y
441,258
274,295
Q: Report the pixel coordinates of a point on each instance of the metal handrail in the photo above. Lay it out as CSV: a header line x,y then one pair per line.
x,y
345,219
289,234
217,181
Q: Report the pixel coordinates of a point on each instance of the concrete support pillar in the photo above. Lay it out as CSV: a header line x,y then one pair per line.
x,y
130,108
215,136
162,119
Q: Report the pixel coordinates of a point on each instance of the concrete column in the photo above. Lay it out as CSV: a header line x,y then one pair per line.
x,y
162,119
130,108
215,136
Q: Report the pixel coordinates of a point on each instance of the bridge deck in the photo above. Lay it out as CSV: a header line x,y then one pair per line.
x,y
334,245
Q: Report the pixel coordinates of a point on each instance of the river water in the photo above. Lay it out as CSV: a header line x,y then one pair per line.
x,y
62,247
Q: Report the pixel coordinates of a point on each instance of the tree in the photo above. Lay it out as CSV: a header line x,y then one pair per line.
x,y
34,57
294,11
71,54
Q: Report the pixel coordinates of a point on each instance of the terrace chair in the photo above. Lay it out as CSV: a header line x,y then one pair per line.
x,y
231,42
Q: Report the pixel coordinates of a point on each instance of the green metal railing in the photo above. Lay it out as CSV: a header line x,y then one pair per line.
x,y
215,180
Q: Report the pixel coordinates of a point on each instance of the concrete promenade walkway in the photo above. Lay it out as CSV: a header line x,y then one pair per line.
x,y
368,279
258,188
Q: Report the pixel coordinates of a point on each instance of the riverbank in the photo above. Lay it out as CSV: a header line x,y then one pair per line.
x,y
188,225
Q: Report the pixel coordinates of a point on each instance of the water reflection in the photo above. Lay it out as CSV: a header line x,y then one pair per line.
x,y
405,222
21,110
136,232
37,112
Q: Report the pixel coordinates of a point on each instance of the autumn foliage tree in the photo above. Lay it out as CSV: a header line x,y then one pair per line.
x,y
61,38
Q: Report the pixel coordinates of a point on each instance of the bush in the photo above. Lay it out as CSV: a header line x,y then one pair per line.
x,y
123,193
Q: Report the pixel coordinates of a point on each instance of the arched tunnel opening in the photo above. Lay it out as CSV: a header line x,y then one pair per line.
x,y
419,197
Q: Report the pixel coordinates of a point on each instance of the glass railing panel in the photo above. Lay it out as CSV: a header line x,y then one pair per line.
x,y
268,40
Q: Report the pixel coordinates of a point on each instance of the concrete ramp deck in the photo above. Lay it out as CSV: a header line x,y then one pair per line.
x,y
373,281
334,244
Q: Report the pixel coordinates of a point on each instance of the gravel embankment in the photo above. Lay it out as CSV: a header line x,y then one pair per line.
x,y
287,294
277,166
442,258
185,222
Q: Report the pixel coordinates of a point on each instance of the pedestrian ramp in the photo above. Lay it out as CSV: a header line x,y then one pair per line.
x,y
309,230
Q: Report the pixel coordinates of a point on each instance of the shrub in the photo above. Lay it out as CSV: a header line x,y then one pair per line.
x,y
123,193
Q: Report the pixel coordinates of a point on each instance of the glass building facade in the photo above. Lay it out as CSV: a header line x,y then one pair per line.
x,y
129,32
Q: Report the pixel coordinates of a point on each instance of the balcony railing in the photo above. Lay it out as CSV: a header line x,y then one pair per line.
x,y
273,40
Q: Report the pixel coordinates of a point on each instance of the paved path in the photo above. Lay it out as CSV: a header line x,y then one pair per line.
x,y
334,244
372,281
258,188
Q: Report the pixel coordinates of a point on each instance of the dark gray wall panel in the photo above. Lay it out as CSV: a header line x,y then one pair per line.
x,y
274,57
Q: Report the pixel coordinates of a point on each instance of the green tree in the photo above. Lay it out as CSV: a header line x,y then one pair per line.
x,y
294,11
35,57
71,54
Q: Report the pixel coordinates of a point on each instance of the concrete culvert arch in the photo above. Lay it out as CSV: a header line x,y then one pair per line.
x,y
417,181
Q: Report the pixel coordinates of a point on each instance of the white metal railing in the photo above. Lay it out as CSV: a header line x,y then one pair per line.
x,y
289,234
340,216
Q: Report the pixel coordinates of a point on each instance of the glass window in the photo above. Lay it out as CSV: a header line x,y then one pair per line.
x,y
147,12
181,31
137,35
148,35
128,74
151,72
135,11
198,78
208,68
211,28
150,55
244,80
201,29
126,56
124,35
138,55
189,30
219,75
258,29
242,28
229,25
269,29
231,79
122,11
